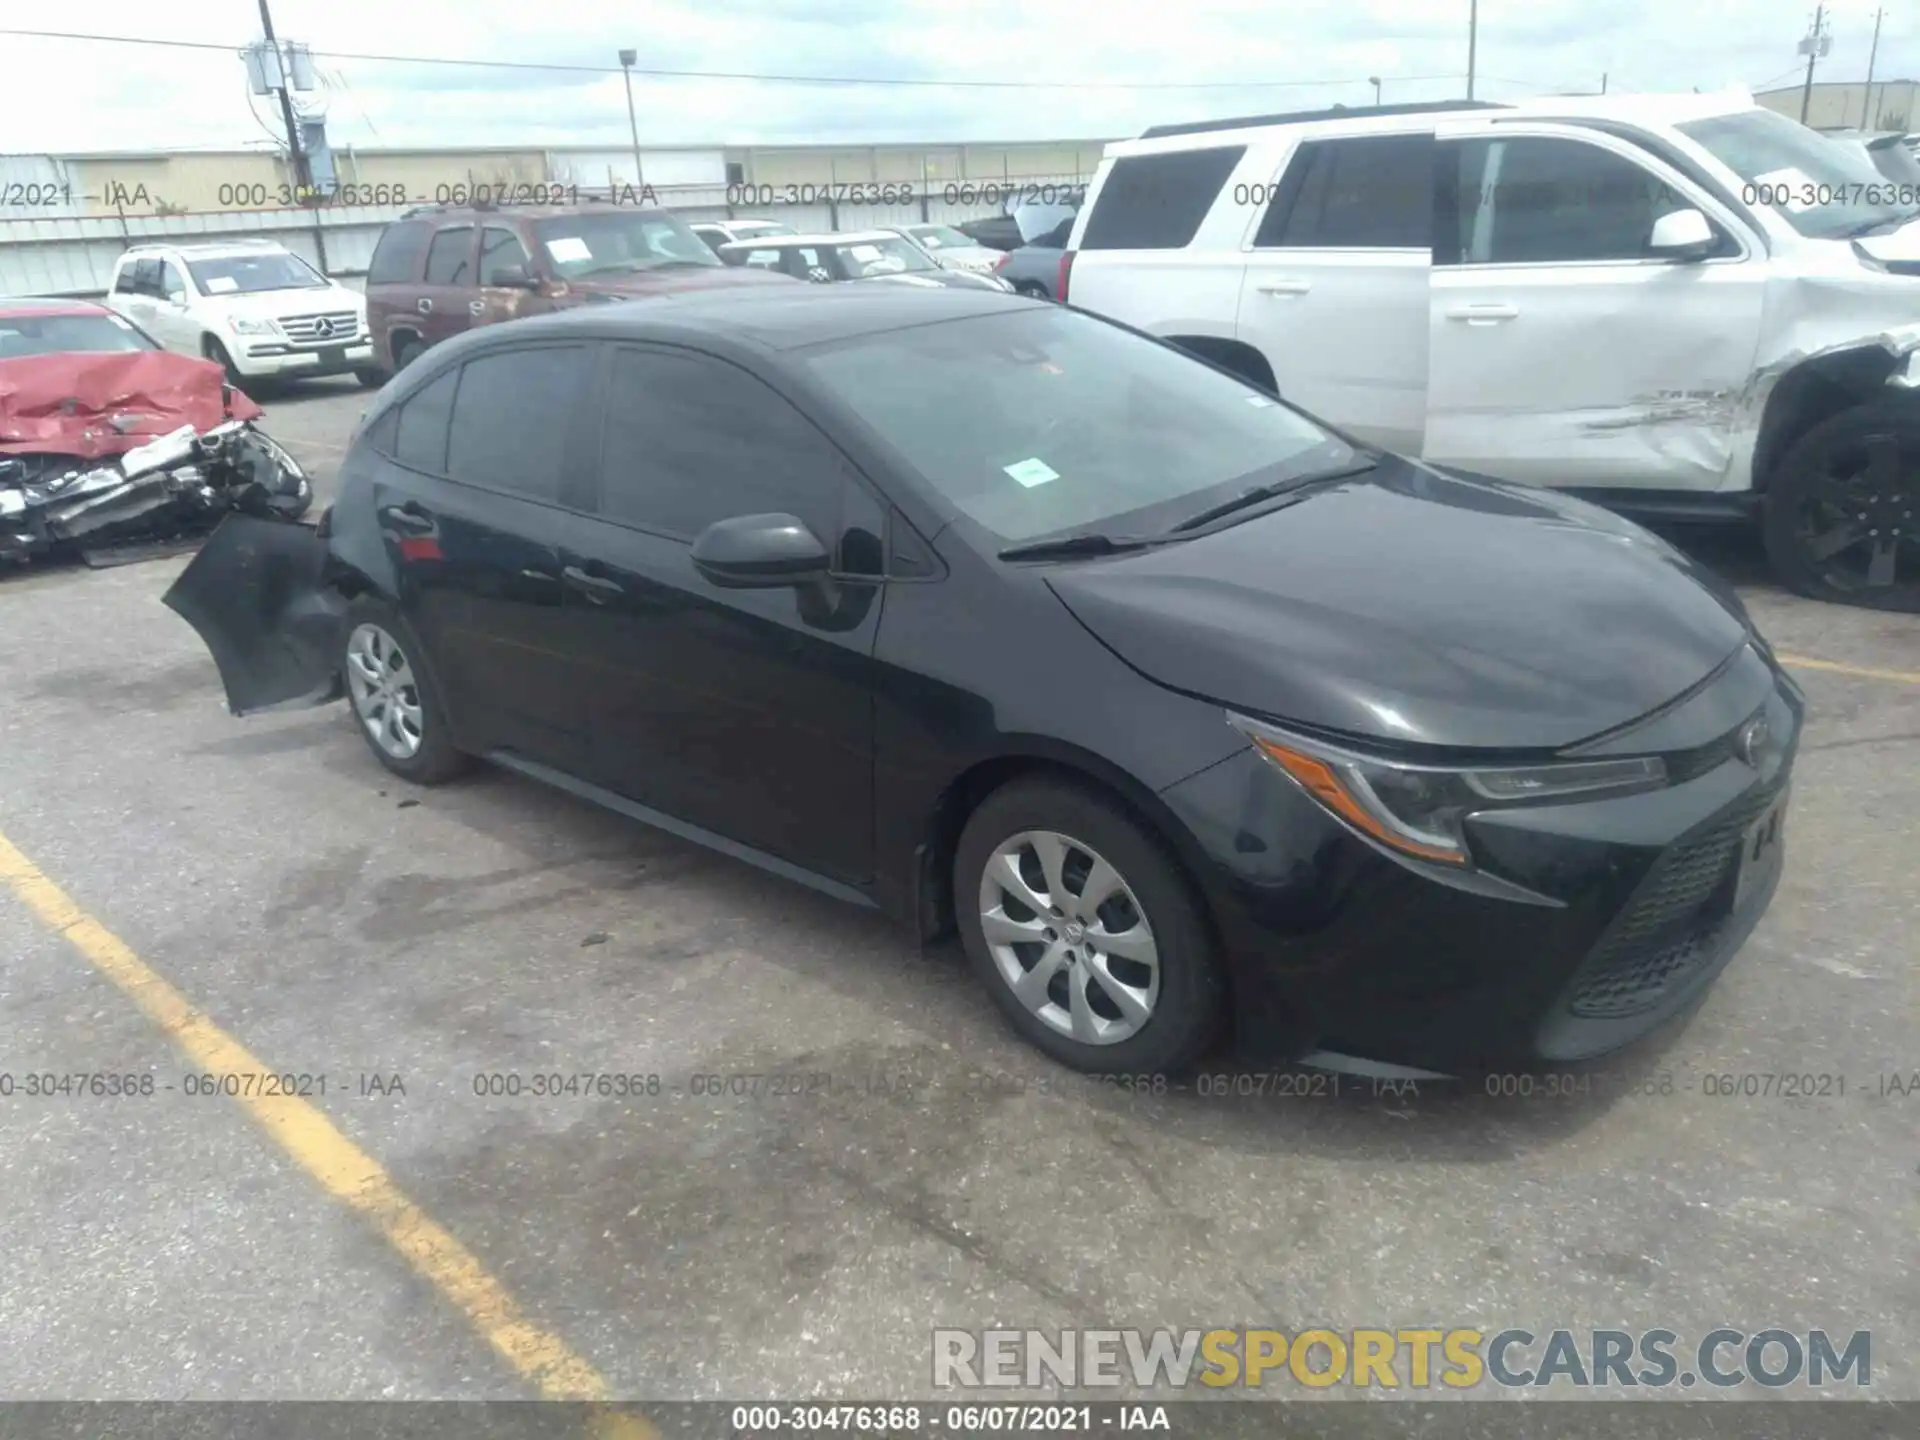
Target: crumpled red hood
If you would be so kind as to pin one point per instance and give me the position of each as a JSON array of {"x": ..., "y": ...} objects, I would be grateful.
[{"x": 93, "y": 405}]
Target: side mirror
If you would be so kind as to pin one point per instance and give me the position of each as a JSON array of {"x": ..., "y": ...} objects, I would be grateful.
[
  {"x": 1681, "y": 235},
  {"x": 511, "y": 277},
  {"x": 760, "y": 552}
]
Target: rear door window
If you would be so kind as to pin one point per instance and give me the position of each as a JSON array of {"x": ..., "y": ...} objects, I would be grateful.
[
  {"x": 420, "y": 438},
  {"x": 398, "y": 256},
  {"x": 512, "y": 408},
  {"x": 1369, "y": 192},
  {"x": 1156, "y": 202},
  {"x": 450, "y": 258}
]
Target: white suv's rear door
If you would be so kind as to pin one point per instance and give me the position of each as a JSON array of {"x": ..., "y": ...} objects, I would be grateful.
[
  {"x": 1338, "y": 242},
  {"x": 1561, "y": 352}
]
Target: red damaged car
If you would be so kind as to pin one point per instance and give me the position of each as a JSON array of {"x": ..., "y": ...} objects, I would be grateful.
[{"x": 106, "y": 440}]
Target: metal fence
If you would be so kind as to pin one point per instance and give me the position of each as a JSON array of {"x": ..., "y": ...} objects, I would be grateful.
[{"x": 75, "y": 255}]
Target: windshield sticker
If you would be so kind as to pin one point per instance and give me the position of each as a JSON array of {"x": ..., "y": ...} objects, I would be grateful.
[
  {"x": 221, "y": 284},
  {"x": 1792, "y": 189},
  {"x": 565, "y": 248},
  {"x": 1032, "y": 472},
  {"x": 864, "y": 253}
]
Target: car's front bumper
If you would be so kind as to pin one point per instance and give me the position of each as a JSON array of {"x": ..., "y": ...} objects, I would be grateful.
[
  {"x": 265, "y": 356},
  {"x": 1333, "y": 947}
]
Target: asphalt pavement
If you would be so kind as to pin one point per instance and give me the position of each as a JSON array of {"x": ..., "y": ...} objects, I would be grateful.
[{"x": 184, "y": 888}]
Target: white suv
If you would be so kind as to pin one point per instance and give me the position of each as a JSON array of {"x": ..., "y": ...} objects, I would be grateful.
[
  {"x": 255, "y": 307},
  {"x": 1684, "y": 306}
]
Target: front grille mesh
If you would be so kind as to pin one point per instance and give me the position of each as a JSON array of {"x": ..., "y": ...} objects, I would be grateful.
[
  {"x": 305, "y": 329},
  {"x": 1669, "y": 927}
]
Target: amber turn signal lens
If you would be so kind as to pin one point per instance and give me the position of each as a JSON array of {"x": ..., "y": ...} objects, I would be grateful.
[{"x": 1321, "y": 781}]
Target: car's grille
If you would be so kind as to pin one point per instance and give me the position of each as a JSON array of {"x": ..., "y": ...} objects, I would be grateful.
[
  {"x": 336, "y": 327},
  {"x": 1669, "y": 926}
]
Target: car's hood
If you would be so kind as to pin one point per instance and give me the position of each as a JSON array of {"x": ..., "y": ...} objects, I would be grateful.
[
  {"x": 1415, "y": 607},
  {"x": 679, "y": 279},
  {"x": 930, "y": 279},
  {"x": 278, "y": 304},
  {"x": 95, "y": 405}
]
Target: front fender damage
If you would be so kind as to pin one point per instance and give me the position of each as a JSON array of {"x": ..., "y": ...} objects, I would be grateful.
[{"x": 260, "y": 597}]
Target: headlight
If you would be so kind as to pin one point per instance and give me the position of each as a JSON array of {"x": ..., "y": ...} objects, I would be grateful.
[
  {"x": 1420, "y": 810},
  {"x": 240, "y": 325}
]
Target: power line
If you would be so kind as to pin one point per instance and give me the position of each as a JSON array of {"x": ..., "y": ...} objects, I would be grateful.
[{"x": 560, "y": 68}]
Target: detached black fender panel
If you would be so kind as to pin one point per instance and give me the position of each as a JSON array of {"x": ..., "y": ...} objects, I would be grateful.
[{"x": 257, "y": 594}]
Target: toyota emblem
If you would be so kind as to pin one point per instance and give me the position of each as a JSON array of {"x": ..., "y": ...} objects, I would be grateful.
[{"x": 1751, "y": 743}]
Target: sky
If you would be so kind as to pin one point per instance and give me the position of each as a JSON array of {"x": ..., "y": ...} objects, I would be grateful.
[{"x": 1091, "y": 70}]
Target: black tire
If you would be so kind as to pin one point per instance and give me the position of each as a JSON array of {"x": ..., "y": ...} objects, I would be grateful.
[
  {"x": 1187, "y": 1012},
  {"x": 435, "y": 760},
  {"x": 216, "y": 352},
  {"x": 371, "y": 378},
  {"x": 406, "y": 352},
  {"x": 1841, "y": 517}
]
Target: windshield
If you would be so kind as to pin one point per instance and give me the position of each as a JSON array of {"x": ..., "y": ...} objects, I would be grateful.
[
  {"x": 940, "y": 237},
  {"x": 613, "y": 243},
  {"x": 1825, "y": 188},
  {"x": 248, "y": 274},
  {"x": 1040, "y": 421},
  {"x": 67, "y": 334},
  {"x": 890, "y": 255}
]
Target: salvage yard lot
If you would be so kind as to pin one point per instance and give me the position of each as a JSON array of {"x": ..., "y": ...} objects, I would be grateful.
[{"x": 338, "y": 924}]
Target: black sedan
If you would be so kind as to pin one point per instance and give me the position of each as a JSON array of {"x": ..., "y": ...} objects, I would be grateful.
[{"x": 989, "y": 613}]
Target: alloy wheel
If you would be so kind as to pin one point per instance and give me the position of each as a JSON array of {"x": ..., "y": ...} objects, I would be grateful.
[
  {"x": 385, "y": 692},
  {"x": 1858, "y": 519},
  {"x": 1069, "y": 938}
]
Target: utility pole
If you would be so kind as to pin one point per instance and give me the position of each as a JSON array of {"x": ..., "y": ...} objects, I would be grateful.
[
  {"x": 1473, "y": 39},
  {"x": 302, "y": 179},
  {"x": 1603, "y": 82},
  {"x": 627, "y": 57},
  {"x": 1866, "y": 101},
  {"x": 1813, "y": 47}
]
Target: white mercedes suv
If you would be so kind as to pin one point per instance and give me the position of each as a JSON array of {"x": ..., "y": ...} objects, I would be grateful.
[
  {"x": 253, "y": 306},
  {"x": 1683, "y": 306}
]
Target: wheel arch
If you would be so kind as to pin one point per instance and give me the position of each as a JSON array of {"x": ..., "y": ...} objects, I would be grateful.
[
  {"x": 1817, "y": 389},
  {"x": 1237, "y": 356}
]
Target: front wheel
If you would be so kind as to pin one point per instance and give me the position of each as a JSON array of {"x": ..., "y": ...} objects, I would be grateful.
[
  {"x": 1842, "y": 515},
  {"x": 1083, "y": 930},
  {"x": 216, "y": 352},
  {"x": 394, "y": 701}
]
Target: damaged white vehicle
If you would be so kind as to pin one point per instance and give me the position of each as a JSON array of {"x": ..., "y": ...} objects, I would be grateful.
[{"x": 1683, "y": 306}]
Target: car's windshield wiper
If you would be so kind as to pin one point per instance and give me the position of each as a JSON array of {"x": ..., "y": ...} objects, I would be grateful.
[
  {"x": 1068, "y": 546},
  {"x": 1268, "y": 492}
]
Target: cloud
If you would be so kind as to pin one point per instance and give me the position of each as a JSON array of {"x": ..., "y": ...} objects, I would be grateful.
[{"x": 1256, "y": 56}]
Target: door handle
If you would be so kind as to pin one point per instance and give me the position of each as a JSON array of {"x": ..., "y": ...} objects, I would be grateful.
[
  {"x": 597, "y": 588},
  {"x": 1483, "y": 314},
  {"x": 1284, "y": 287},
  {"x": 476, "y": 307},
  {"x": 410, "y": 517},
  {"x": 423, "y": 305}
]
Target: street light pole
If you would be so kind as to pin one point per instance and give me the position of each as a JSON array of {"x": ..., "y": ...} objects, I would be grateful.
[
  {"x": 627, "y": 57},
  {"x": 1473, "y": 41},
  {"x": 1866, "y": 100},
  {"x": 1374, "y": 80}
]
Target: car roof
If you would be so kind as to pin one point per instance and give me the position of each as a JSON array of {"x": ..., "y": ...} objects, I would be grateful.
[
  {"x": 1645, "y": 109},
  {"x": 757, "y": 319},
  {"x": 205, "y": 249},
  {"x": 20, "y": 305}
]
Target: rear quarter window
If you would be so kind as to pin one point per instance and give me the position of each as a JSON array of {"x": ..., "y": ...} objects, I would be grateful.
[
  {"x": 1156, "y": 202},
  {"x": 396, "y": 259},
  {"x": 420, "y": 436}
]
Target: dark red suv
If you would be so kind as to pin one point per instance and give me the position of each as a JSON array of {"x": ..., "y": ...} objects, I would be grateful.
[{"x": 445, "y": 269}]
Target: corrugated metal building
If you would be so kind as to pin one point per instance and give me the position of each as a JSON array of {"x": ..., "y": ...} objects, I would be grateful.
[
  {"x": 64, "y": 219},
  {"x": 1885, "y": 105}
]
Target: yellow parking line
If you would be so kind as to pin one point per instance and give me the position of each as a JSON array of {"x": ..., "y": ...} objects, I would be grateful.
[
  {"x": 1905, "y": 677},
  {"x": 342, "y": 1168}
]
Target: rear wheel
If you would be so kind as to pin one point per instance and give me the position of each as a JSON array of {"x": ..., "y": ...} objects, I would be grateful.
[
  {"x": 1084, "y": 931},
  {"x": 1842, "y": 516},
  {"x": 371, "y": 378},
  {"x": 394, "y": 701}
]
